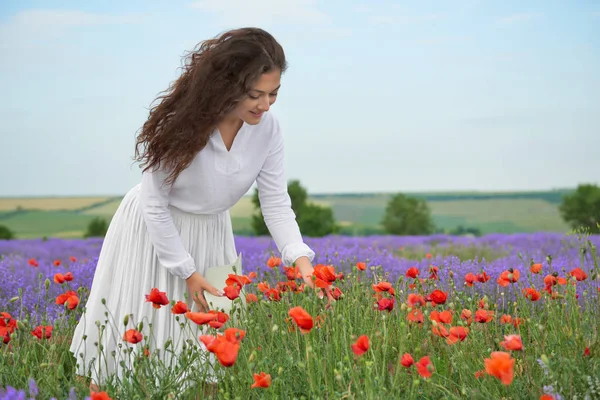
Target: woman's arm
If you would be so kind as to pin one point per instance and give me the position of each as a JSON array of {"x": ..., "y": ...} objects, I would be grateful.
[
  {"x": 154, "y": 204},
  {"x": 276, "y": 207}
]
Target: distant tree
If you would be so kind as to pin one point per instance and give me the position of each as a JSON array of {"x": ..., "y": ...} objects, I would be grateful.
[
  {"x": 313, "y": 220},
  {"x": 407, "y": 216},
  {"x": 581, "y": 208},
  {"x": 461, "y": 230},
  {"x": 6, "y": 233},
  {"x": 96, "y": 228},
  {"x": 317, "y": 221}
]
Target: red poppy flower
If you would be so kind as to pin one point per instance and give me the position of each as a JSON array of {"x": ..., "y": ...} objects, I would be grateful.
[
  {"x": 536, "y": 268},
  {"x": 302, "y": 318},
  {"x": 412, "y": 273},
  {"x": 240, "y": 280},
  {"x": 232, "y": 291},
  {"x": 457, "y": 333},
  {"x": 251, "y": 298},
  {"x": 407, "y": 360},
  {"x": 483, "y": 277},
  {"x": 325, "y": 275},
  {"x": 221, "y": 319},
  {"x": 438, "y": 297},
  {"x": 179, "y": 308},
  {"x": 261, "y": 380},
  {"x": 274, "y": 262},
  {"x": 62, "y": 298},
  {"x": 385, "y": 304},
  {"x": 484, "y": 316},
  {"x": 415, "y": 315},
  {"x": 157, "y": 298},
  {"x": 415, "y": 299},
  {"x": 501, "y": 366},
  {"x": 99, "y": 396},
  {"x": 509, "y": 276},
  {"x": 225, "y": 347},
  {"x": 532, "y": 294},
  {"x": 467, "y": 315},
  {"x": 382, "y": 287},
  {"x": 133, "y": 336},
  {"x": 361, "y": 345},
  {"x": 433, "y": 272},
  {"x": 579, "y": 274},
  {"x": 444, "y": 317},
  {"x": 425, "y": 367},
  {"x": 361, "y": 266},
  {"x": 200, "y": 318},
  {"x": 512, "y": 342},
  {"x": 59, "y": 278},
  {"x": 470, "y": 278},
  {"x": 42, "y": 331}
]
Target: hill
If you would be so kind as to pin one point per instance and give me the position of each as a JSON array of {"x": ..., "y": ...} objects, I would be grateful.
[{"x": 358, "y": 213}]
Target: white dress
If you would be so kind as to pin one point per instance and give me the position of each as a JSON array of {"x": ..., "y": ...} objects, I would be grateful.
[{"x": 160, "y": 235}]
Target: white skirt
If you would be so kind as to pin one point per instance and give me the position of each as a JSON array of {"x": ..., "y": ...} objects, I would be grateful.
[{"x": 127, "y": 270}]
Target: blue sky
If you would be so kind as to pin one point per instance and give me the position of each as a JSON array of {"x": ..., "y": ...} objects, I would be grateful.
[{"x": 380, "y": 96}]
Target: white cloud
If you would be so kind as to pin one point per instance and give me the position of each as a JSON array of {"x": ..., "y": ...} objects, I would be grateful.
[
  {"x": 516, "y": 18},
  {"x": 242, "y": 12}
]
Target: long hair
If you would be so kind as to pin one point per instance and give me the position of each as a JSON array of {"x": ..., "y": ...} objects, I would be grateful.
[{"x": 216, "y": 76}]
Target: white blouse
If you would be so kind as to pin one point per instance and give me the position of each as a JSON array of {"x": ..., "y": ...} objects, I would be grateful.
[{"x": 214, "y": 182}]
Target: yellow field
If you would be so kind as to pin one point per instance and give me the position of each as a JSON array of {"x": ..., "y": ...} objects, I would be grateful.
[
  {"x": 105, "y": 210},
  {"x": 48, "y": 203}
]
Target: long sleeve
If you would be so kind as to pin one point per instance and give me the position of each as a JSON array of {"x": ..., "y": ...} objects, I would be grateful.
[
  {"x": 154, "y": 203},
  {"x": 276, "y": 205}
]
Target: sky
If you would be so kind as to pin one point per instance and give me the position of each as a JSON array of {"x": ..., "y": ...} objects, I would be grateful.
[{"x": 380, "y": 96}]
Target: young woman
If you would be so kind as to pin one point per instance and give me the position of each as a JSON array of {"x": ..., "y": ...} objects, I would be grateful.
[{"x": 203, "y": 146}]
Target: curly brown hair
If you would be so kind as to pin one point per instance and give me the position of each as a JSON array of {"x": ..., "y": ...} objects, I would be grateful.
[{"x": 216, "y": 76}]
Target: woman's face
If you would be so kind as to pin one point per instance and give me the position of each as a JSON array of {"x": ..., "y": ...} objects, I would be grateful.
[{"x": 260, "y": 98}]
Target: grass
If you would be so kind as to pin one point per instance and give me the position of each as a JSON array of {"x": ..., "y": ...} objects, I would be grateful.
[
  {"x": 104, "y": 210},
  {"x": 527, "y": 214},
  {"x": 33, "y": 224},
  {"x": 356, "y": 347}
]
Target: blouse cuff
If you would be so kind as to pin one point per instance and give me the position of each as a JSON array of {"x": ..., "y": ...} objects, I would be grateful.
[
  {"x": 292, "y": 252},
  {"x": 183, "y": 269}
]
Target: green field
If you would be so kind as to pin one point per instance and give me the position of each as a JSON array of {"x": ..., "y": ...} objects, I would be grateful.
[{"x": 489, "y": 212}]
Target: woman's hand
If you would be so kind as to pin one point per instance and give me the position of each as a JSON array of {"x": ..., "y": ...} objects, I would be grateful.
[
  {"x": 197, "y": 284},
  {"x": 306, "y": 270}
]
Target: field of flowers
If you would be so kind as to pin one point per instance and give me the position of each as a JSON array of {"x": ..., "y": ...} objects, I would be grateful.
[{"x": 496, "y": 317}]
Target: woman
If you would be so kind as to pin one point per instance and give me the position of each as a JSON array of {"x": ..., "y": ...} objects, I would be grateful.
[{"x": 203, "y": 146}]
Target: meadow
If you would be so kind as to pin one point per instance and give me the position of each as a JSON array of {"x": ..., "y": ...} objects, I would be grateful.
[
  {"x": 357, "y": 214},
  {"x": 496, "y": 317}
]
